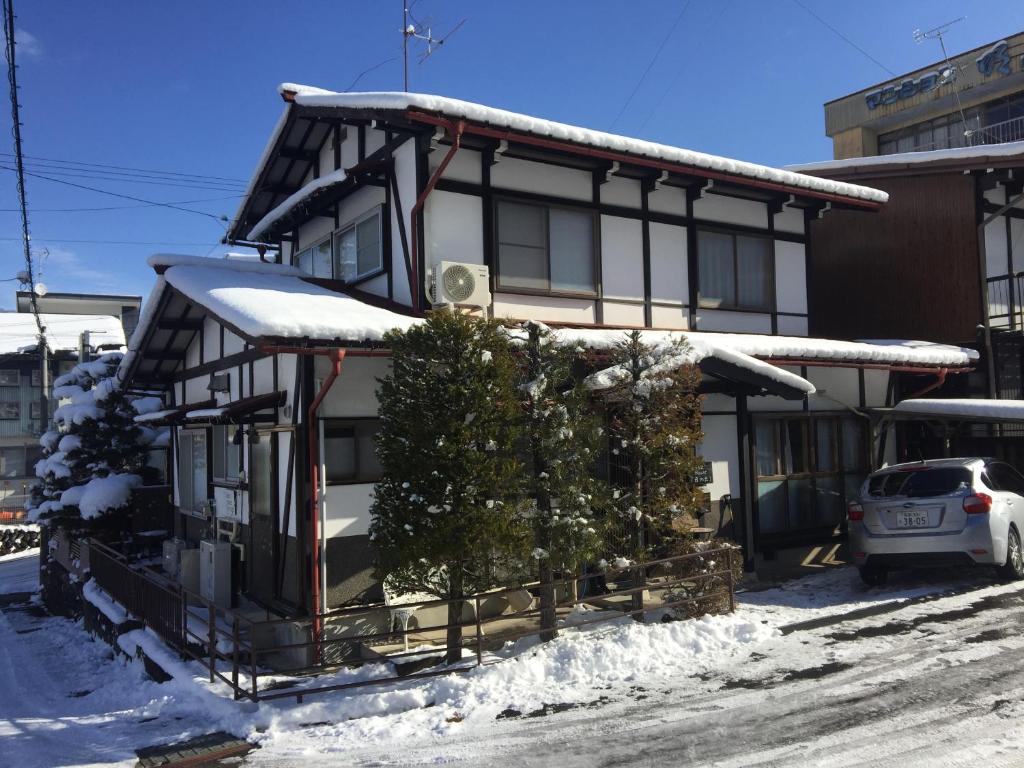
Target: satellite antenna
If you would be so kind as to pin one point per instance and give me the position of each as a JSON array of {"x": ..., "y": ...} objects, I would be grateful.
[
  {"x": 418, "y": 31},
  {"x": 950, "y": 71},
  {"x": 40, "y": 289}
]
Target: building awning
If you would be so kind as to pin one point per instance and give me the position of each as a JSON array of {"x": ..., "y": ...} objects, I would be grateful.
[
  {"x": 170, "y": 416},
  {"x": 246, "y": 409},
  {"x": 955, "y": 410}
]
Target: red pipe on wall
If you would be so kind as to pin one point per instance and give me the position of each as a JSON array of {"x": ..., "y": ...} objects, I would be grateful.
[
  {"x": 455, "y": 133},
  {"x": 661, "y": 165}
]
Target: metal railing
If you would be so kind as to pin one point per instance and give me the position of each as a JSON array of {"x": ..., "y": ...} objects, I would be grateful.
[
  {"x": 1006, "y": 300},
  {"x": 285, "y": 653}
]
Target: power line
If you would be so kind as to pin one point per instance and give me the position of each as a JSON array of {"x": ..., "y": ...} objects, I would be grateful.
[
  {"x": 12, "y": 80},
  {"x": 108, "y": 242},
  {"x": 650, "y": 64},
  {"x": 127, "y": 168},
  {"x": 123, "y": 207},
  {"x": 844, "y": 37},
  {"x": 110, "y": 176},
  {"x": 118, "y": 194}
]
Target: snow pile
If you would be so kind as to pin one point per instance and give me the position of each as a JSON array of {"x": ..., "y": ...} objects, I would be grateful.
[
  {"x": 499, "y": 118},
  {"x": 144, "y": 405},
  {"x": 101, "y": 494},
  {"x": 19, "y": 333},
  {"x": 965, "y": 408}
]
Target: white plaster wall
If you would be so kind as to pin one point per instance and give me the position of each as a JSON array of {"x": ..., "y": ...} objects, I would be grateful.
[
  {"x": 195, "y": 389},
  {"x": 314, "y": 231},
  {"x": 523, "y": 175},
  {"x": 995, "y": 247},
  {"x": 833, "y": 384},
  {"x": 1017, "y": 244},
  {"x": 232, "y": 343},
  {"x": 996, "y": 195},
  {"x": 669, "y": 278},
  {"x": 454, "y": 228},
  {"x": 263, "y": 376},
  {"x": 790, "y": 277},
  {"x": 375, "y": 139},
  {"x": 720, "y": 448},
  {"x": 718, "y": 402},
  {"x": 622, "y": 258},
  {"x": 465, "y": 165},
  {"x": 667, "y": 200},
  {"x": 350, "y": 147},
  {"x": 211, "y": 340},
  {"x": 356, "y": 204},
  {"x": 790, "y": 220},
  {"x": 192, "y": 354},
  {"x": 508, "y": 305},
  {"x": 285, "y": 439},
  {"x": 735, "y": 322},
  {"x": 347, "y": 509},
  {"x": 620, "y": 191},
  {"x": 792, "y": 326},
  {"x": 876, "y": 385},
  {"x": 732, "y": 210},
  {"x": 354, "y": 391},
  {"x": 670, "y": 317},
  {"x": 405, "y": 169},
  {"x": 616, "y": 313},
  {"x": 378, "y": 286}
]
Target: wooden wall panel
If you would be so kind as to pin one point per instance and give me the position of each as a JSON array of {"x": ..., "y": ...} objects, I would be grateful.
[{"x": 908, "y": 271}]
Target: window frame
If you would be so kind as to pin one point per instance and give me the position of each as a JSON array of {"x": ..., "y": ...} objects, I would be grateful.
[
  {"x": 350, "y": 422},
  {"x": 191, "y": 507},
  {"x": 215, "y": 446},
  {"x": 353, "y": 224},
  {"x": 547, "y": 207},
  {"x": 735, "y": 306},
  {"x": 6, "y": 374}
]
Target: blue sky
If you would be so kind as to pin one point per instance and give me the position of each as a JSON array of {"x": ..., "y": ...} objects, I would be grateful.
[{"x": 189, "y": 87}]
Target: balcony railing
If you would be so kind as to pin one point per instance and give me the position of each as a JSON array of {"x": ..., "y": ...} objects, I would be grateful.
[
  {"x": 994, "y": 133},
  {"x": 1005, "y": 301}
]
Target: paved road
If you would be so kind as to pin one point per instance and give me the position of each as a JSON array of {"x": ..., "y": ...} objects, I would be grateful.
[{"x": 937, "y": 683}]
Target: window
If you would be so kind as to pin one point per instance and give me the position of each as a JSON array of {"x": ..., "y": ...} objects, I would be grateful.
[
  {"x": 1006, "y": 478},
  {"x": 192, "y": 486},
  {"x": 808, "y": 468},
  {"x": 545, "y": 249},
  {"x": 316, "y": 261},
  {"x": 12, "y": 462},
  {"x": 10, "y": 411},
  {"x": 226, "y": 454},
  {"x": 10, "y": 378},
  {"x": 735, "y": 271},
  {"x": 357, "y": 248},
  {"x": 350, "y": 450}
]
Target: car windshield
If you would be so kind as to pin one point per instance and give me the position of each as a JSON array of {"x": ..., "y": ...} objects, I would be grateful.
[{"x": 918, "y": 483}]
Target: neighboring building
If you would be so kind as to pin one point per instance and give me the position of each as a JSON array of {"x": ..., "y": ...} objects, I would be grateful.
[
  {"x": 21, "y": 400},
  {"x": 979, "y": 101},
  {"x": 124, "y": 308},
  {"x": 362, "y": 196}
]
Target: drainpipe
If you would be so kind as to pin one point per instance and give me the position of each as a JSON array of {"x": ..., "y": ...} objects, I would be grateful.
[
  {"x": 940, "y": 379},
  {"x": 455, "y": 131},
  {"x": 336, "y": 355}
]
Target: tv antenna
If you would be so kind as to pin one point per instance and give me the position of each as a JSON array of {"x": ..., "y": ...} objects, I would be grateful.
[
  {"x": 949, "y": 74},
  {"x": 413, "y": 29}
]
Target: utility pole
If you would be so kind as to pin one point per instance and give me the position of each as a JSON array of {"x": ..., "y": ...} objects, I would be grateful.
[{"x": 12, "y": 79}]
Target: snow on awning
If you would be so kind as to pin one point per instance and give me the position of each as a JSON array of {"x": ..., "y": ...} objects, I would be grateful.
[
  {"x": 959, "y": 409},
  {"x": 303, "y": 194},
  {"x": 499, "y": 118},
  {"x": 170, "y": 416},
  {"x": 236, "y": 411},
  {"x": 19, "y": 332}
]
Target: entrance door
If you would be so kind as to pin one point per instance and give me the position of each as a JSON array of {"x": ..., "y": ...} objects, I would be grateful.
[{"x": 262, "y": 517}]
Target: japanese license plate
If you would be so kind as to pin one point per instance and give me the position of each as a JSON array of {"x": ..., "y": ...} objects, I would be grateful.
[{"x": 911, "y": 518}]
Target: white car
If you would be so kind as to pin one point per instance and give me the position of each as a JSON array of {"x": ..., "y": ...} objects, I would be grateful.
[{"x": 938, "y": 513}]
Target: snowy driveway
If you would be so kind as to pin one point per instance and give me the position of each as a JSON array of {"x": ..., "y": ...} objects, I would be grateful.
[
  {"x": 935, "y": 680},
  {"x": 924, "y": 672}
]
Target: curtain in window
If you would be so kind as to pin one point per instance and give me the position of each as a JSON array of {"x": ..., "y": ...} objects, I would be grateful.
[
  {"x": 825, "y": 445},
  {"x": 754, "y": 280},
  {"x": 522, "y": 245},
  {"x": 717, "y": 274},
  {"x": 767, "y": 438},
  {"x": 572, "y": 250}
]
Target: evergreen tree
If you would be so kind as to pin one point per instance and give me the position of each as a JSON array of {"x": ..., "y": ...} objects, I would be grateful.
[
  {"x": 444, "y": 517},
  {"x": 560, "y": 438},
  {"x": 653, "y": 412},
  {"x": 96, "y": 453}
]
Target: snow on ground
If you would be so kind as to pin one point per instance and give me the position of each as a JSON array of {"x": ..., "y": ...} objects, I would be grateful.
[
  {"x": 20, "y": 572},
  {"x": 732, "y": 690}
]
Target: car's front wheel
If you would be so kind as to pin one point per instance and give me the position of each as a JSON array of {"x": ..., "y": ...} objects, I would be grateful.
[
  {"x": 873, "y": 576},
  {"x": 1013, "y": 569}
]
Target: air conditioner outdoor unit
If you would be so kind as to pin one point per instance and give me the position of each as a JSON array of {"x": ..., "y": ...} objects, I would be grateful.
[
  {"x": 460, "y": 284},
  {"x": 172, "y": 557}
]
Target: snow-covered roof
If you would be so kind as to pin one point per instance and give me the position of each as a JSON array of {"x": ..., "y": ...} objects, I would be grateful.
[
  {"x": 19, "y": 333},
  {"x": 978, "y": 154},
  {"x": 1011, "y": 410},
  {"x": 327, "y": 180},
  {"x": 309, "y": 96}
]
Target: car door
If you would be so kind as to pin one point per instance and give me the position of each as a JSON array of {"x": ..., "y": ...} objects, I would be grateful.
[{"x": 1011, "y": 488}]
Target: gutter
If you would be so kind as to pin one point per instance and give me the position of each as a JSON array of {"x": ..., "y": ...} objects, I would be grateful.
[
  {"x": 455, "y": 131},
  {"x": 337, "y": 356},
  {"x": 621, "y": 157}
]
